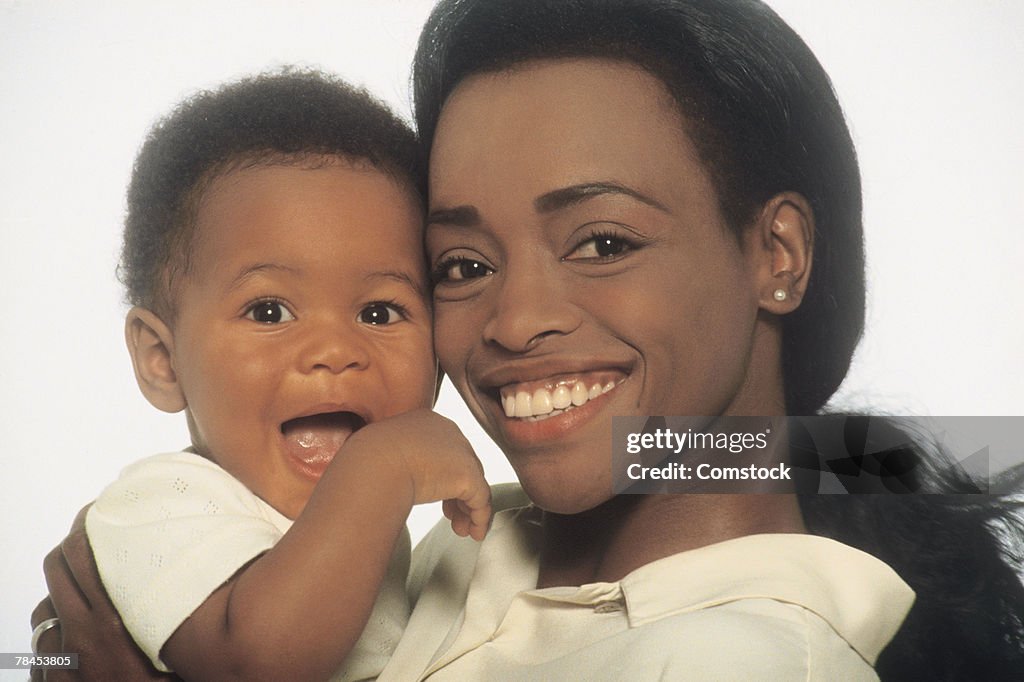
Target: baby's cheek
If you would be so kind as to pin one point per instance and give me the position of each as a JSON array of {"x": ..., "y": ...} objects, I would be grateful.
[{"x": 411, "y": 378}]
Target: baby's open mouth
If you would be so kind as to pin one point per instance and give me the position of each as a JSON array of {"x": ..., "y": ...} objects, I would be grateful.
[{"x": 314, "y": 439}]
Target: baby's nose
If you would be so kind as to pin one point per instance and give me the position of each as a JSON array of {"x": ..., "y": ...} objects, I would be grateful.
[{"x": 334, "y": 348}]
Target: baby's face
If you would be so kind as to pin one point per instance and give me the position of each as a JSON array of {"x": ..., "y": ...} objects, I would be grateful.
[{"x": 303, "y": 317}]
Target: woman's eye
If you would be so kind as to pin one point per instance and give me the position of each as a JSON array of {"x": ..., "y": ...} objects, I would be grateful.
[
  {"x": 600, "y": 247},
  {"x": 381, "y": 313},
  {"x": 460, "y": 269},
  {"x": 269, "y": 312}
]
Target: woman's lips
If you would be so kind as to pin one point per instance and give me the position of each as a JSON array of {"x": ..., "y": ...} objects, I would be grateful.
[
  {"x": 313, "y": 440},
  {"x": 539, "y": 411}
]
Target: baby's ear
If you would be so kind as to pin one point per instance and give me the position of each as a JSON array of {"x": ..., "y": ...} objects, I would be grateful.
[{"x": 150, "y": 343}]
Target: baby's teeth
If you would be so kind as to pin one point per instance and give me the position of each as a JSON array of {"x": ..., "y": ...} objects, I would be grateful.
[
  {"x": 595, "y": 391},
  {"x": 523, "y": 406},
  {"x": 542, "y": 402},
  {"x": 579, "y": 394},
  {"x": 562, "y": 397},
  {"x": 607, "y": 387}
]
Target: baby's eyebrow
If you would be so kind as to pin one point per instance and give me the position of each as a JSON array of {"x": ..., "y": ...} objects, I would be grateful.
[
  {"x": 400, "y": 277},
  {"x": 248, "y": 271}
]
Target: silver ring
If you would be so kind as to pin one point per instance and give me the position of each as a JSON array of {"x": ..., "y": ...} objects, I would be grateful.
[{"x": 42, "y": 629}]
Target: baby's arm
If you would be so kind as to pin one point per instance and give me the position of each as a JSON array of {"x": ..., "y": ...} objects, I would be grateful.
[{"x": 297, "y": 610}]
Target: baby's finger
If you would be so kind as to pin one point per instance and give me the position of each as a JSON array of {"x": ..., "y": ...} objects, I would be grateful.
[
  {"x": 449, "y": 509},
  {"x": 460, "y": 526},
  {"x": 460, "y": 519},
  {"x": 477, "y": 497},
  {"x": 476, "y": 521},
  {"x": 480, "y": 522},
  {"x": 481, "y": 516}
]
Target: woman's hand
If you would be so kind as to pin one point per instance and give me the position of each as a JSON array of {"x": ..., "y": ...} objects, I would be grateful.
[{"x": 88, "y": 624}]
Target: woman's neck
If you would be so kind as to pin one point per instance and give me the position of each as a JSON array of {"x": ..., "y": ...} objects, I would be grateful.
[{"x": 606, "y": 543}]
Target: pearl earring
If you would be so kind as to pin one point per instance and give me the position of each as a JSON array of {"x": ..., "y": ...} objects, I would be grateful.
[{"x": 780, "y": 295}]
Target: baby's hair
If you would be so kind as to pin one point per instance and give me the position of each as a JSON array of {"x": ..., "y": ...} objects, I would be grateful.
[{"x": 294, "y": 117}]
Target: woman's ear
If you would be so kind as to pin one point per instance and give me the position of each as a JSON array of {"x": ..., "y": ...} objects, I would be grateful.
[
  {"x": 150, "y": 343},
  {"x": 785, "y": 234}
]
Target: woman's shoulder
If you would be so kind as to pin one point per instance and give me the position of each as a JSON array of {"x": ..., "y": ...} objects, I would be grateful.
[
  {"x": 749, "y": 638},
  {"x": 760, "y": 587}
]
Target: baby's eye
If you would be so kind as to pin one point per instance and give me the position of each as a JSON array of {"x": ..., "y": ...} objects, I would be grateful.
[
  {"x": 269, "y": 312},
  {"x": 381, "y": 313},
  {"x": 460, "y": 269},
  {"x": 600, "y": 247}
]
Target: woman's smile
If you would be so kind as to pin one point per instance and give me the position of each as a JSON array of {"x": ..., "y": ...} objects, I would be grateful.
[
  {"x": 532, "y": 402},
  {"x": 539, "y": 400}
]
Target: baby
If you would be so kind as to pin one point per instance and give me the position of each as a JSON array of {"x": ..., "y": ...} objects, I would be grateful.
[{"x": 273, "y": 256}]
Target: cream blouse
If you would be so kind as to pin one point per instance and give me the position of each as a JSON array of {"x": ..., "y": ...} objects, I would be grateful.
[{"x": 767, "y": 607}]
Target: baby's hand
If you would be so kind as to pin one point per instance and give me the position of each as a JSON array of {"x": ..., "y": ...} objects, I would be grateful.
[{"x": 440, "y": 463}]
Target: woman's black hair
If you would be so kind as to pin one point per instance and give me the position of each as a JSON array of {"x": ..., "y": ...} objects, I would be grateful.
[
  {"x": 765, "y": 119},
  {"x": 291, "y": 116}
]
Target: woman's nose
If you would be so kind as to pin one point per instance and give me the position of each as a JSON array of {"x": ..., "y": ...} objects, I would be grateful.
[{"x": 530, "y": 305}]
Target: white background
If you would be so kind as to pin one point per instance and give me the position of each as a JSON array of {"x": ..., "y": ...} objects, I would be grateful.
[{"x": 933, "y": 90}]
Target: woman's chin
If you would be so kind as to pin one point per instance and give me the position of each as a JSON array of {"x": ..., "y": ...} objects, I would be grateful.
[{"x": 565, "y": 496}]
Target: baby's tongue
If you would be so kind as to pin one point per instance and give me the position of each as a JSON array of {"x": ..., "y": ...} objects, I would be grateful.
[{"x": 314, "y": 440}]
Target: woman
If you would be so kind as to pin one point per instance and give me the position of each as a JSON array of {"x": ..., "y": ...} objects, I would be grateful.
[{"x": 662, "y": 199}]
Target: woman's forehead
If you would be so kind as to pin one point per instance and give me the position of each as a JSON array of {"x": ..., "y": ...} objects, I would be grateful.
[
  {"x": 595, "y": 93},
  {"x": 556, "y": 123}
]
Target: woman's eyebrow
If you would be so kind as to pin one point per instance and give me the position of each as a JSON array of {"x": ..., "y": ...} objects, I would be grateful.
[
  {"x": 468, "y": 216},
  {"x": 458, "y": 216},
  {"x": 575, "y": 194}
]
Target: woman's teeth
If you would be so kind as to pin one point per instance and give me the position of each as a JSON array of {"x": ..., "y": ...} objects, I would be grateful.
[{"x": 544, "y": 402}]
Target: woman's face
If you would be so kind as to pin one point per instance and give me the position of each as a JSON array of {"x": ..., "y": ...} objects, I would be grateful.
[{"x": 584, "y": 270}]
